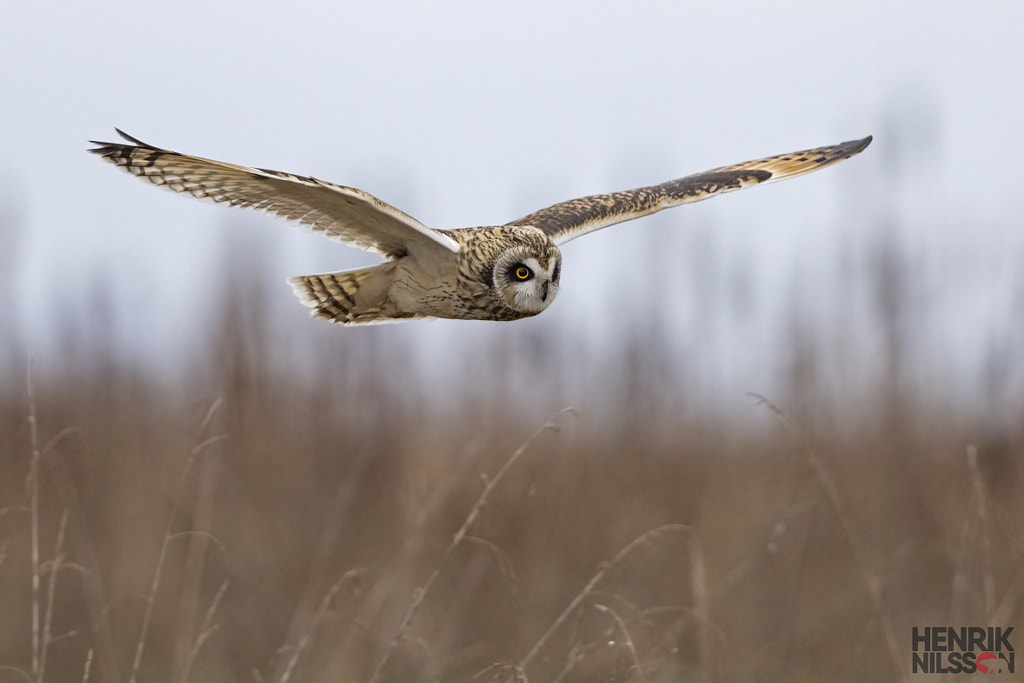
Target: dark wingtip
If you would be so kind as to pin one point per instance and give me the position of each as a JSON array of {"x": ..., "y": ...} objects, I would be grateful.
[
  {"x": 845, "y": 150},
  {"x": 106, "y": 148},
  {"x": 129, "y": 138},
  {"x": 103, "y": 148}
]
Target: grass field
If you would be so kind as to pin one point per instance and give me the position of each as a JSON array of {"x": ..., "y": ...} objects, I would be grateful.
[{"x": 239, "y": 524}]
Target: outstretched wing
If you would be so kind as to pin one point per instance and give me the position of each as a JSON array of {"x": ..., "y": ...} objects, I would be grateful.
[
  {"x": 571, "y": 219},
  {"x": 344, "y": 214}
]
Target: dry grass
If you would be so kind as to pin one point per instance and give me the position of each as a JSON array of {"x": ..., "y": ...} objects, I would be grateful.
[
  {"x": 273, "y": 529},
  {"x": 283, "y": 554}
]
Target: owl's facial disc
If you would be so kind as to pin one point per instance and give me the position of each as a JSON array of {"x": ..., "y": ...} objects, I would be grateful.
[{"x": 528, "y": 283}]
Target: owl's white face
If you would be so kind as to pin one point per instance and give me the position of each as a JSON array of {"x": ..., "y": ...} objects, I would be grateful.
[{"x": 528, "y": 281}]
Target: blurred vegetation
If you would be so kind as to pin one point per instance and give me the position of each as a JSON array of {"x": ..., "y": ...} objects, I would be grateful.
[{"x": 246, "y": 520}]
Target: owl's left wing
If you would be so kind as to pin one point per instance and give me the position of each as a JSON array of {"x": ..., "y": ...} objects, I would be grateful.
[
  {"x": 345, "y": 214},
  {"x": 576, "y": 217}
]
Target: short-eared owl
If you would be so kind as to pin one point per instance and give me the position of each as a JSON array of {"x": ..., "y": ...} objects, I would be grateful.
[{"x": 502, "y": 272}]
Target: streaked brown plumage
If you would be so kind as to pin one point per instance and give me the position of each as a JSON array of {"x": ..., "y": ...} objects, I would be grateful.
[{"x": 489, "y": 273}]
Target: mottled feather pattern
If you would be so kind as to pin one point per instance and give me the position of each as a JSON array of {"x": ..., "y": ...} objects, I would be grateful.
[
  {"x": 346, "y": 214},
  {"x": 480, "y": 247},
  {"x": 479, "y": 250},
  {"x": 502, "y": 272},
  {"x": 577, "y": 217},
  {"x": 794, "y": 164},
  {"x": 332, "y": 296}
]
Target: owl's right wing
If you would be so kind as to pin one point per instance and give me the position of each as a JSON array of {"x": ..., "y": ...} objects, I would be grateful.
[
  {"x": 344, "y": 214},
  {"x": 574, "y": 218}
]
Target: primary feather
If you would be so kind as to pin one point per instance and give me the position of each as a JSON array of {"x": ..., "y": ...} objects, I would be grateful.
[
  {"x": 577, "y": 217},
  {"x": 345, "y": 214}
]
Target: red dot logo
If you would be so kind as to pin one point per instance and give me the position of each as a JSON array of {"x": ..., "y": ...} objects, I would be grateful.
[{"x": 985, "y": 656}]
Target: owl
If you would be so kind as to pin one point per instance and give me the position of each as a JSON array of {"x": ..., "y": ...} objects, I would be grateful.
[{"x": 502, "y": 272}]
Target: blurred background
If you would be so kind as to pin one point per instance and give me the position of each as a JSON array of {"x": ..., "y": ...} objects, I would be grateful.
[{"x": 207, "y": 485}]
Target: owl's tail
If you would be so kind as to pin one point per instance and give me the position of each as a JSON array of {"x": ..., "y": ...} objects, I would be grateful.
[{"x": 352, "y": 297}]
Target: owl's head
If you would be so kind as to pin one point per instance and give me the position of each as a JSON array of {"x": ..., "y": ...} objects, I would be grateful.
[{"x": 526, "y": 277}]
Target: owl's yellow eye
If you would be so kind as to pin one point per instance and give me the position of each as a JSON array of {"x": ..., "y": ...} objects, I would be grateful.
[{"x": 523, "y": 273}]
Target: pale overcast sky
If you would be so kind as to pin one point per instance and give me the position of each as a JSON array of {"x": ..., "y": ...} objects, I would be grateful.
[{"x": 470, "y": 113}]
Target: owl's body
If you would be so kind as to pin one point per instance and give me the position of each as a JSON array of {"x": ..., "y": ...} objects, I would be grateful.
[
  {"x": 440, "y": 284},
  {"x": 501, "y": 272}
]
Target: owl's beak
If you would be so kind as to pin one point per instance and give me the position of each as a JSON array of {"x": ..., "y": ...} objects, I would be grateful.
[{"x": 544, "y": 292}]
